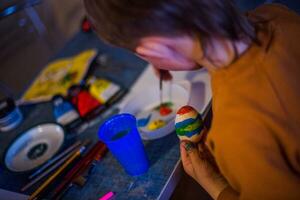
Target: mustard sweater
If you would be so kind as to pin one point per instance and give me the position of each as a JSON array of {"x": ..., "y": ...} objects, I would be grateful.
[{"x": 255, "y": 133}]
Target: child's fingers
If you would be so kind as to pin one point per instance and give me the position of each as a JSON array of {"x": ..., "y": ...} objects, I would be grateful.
[
  {"x": 184, "y": 155},
  {"x": 147, "y": 52},
  {"x": 193, "y": 154},
  {"x": 166, "y": 76}
]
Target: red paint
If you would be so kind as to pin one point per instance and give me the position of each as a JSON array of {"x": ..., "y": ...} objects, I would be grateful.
[
  {"x": 164, "y": 110},
  {"x": 185, "y": 109},
  {"x": 85, "y": 103}
]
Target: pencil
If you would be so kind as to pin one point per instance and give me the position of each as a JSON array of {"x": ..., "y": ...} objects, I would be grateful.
[{"x": 57, "y": 173}]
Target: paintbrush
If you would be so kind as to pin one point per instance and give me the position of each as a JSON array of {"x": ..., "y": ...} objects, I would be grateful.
[
  {"x": 56, "y": 158},
  {"x": 95, "y": 153},
  {"x": 52, "y": 168},
  {"x": 57, "y": 173},
  {"x": 161, "y": 76}
]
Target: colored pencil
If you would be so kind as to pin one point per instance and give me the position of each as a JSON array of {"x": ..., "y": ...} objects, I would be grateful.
[
  {"x": 107, "y": 196},
  {"x": 50, "y": 162},
  {"x": 57, "y": 173}
]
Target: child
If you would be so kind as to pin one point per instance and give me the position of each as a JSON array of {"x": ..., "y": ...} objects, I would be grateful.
[{"x": 254, "y": 63}]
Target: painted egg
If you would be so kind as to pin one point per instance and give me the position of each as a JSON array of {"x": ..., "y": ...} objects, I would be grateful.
[
  {"x": 188, "y": 124},
  {"x": 156, "y": 124}
]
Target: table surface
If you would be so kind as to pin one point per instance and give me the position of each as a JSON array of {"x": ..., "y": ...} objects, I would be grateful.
[
  {"x": 162, "y": 176},
  {"x": 126, "y": 70}
]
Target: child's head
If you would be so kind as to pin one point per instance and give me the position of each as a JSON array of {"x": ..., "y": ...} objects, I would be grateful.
[{"x": 144, "y": 23}]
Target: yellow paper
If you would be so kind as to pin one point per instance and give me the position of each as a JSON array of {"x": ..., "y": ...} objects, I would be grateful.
[{"x": 58, "y": 76}]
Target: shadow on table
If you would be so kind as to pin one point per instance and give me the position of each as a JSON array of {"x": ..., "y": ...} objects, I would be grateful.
[
  {"x": 189, "y": 189},
  {"x": 159, "y": 148}
]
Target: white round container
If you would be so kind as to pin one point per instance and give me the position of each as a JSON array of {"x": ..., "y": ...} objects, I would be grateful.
[{"x": 149, "y": 98}]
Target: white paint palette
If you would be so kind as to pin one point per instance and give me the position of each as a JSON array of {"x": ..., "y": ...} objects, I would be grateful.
[
  {"x": 150, "y": 119},
  {"x": 141, "y": 106}
]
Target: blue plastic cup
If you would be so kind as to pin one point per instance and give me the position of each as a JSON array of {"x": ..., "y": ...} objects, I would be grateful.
[{"x": 121, "y": 136}]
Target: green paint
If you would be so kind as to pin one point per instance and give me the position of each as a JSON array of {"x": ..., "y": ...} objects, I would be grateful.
[
  {"x": 120, "y": 135},
  {"x": 191, "y": 127}
]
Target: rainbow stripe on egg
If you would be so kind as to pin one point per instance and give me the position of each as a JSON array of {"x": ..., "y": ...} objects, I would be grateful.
[{"x": 188, "y": 124}]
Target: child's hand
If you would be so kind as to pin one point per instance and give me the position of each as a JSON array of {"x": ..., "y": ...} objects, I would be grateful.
[
  {"x": 199, "y": 164},
  {"x": 166, "y": 75}
]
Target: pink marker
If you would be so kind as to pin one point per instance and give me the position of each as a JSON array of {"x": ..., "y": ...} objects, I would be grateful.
[{"x": 107, "y": 196}]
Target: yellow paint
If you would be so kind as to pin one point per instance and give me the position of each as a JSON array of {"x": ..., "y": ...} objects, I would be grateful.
[
  {"x": 102, "y": 89},
  {"x": 156, "y": 124}
]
